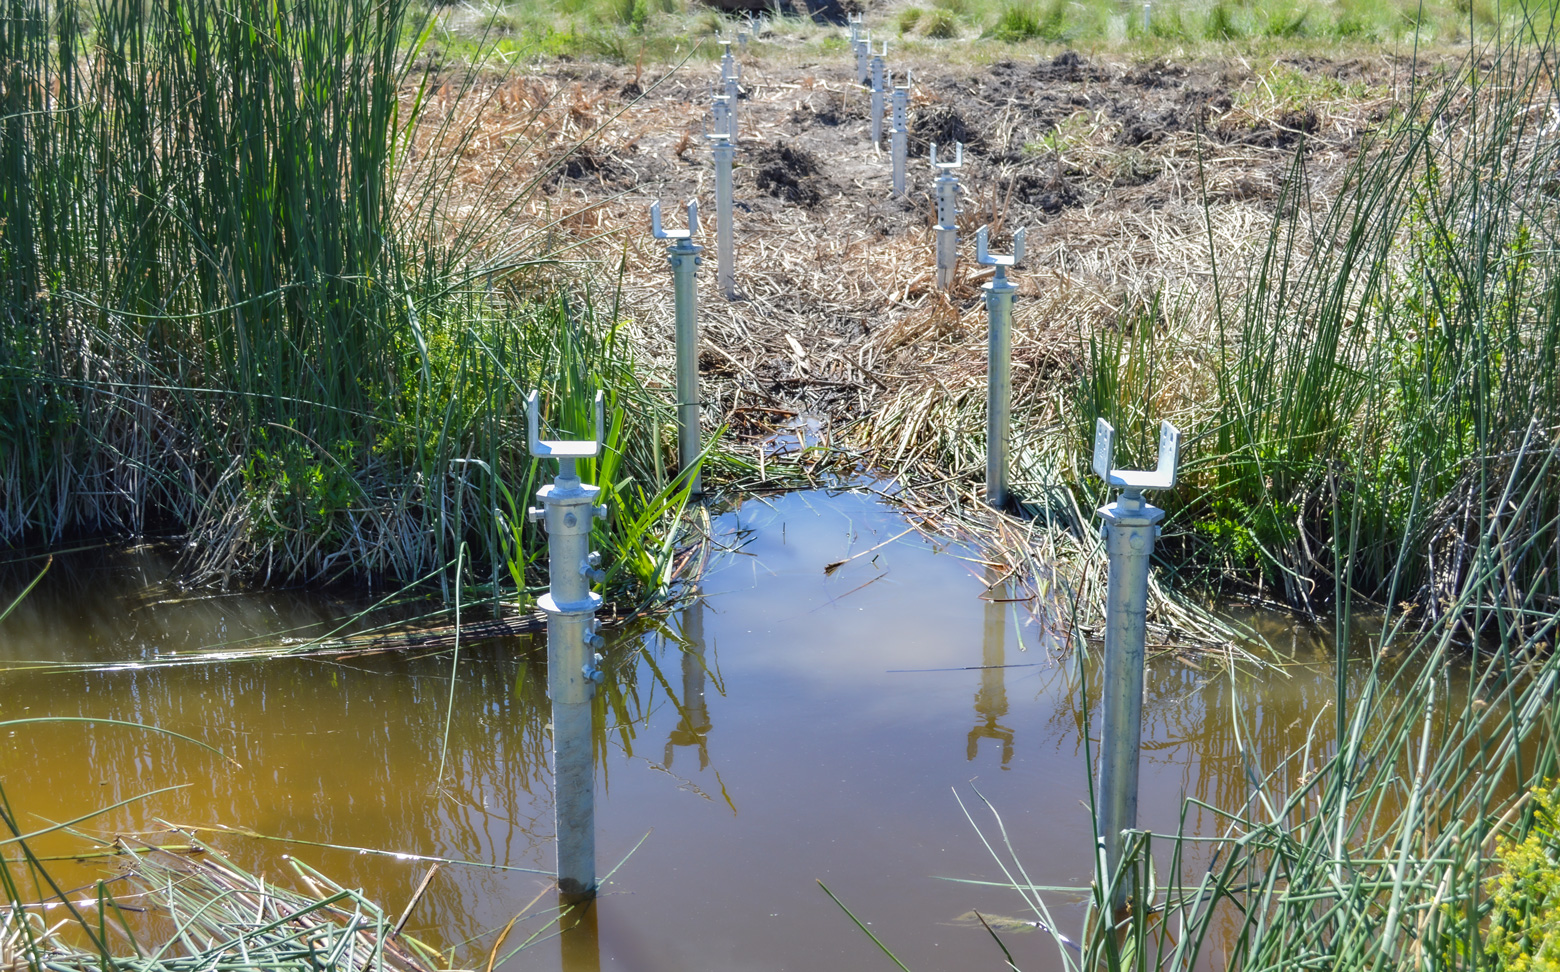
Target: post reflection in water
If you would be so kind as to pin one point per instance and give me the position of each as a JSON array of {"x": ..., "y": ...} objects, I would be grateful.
[
  {"x": 579, "y": 944},
  {"x": 991, "y": 698},
  {"x": 693, "y": 728},
  {"x": 346, "y": 750}
]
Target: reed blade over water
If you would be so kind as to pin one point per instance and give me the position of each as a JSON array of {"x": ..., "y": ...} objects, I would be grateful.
[{"x": 1381, "y": 423}]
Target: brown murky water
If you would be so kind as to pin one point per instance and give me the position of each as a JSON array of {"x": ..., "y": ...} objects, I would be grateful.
[{"x": 792, "y": 727}]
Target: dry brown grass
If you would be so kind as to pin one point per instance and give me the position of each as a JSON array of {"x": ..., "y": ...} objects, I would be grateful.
[{"x": 838, "y": 318}]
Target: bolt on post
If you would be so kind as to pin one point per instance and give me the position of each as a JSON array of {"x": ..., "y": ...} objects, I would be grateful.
[
  {"x": 947, "y": 190},
  {"x": 573, "y": 660},
  {"x": 900, "y": 133},
  {"x": 878, "y": 90},
  {"x": 1130, "y": 529},
  {"x": 999, "y": 363},
  {"x": 683, "y": 254},
  {"x": 724, "y": 153}
]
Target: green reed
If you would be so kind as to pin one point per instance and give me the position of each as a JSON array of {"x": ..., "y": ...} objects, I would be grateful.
[
  {"x": 236, "y": 301},
  {"x": 1374, "y": 845},
  {"x": 1386, "y": 360},
  {"x": 1381, "y": 422}
]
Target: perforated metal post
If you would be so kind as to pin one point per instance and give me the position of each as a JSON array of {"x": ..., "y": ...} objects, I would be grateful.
[
  {"x": 573, "y": 662},
  {"x": 1130, "y": 528},
  {"x": 720, "y": 111},
  {"x": 947, "y": 188},
  {"x": 863, "y": 48},
  {"x": 900, "y": 133},
  {"x": 724, "y": 154},
  {"x": 683, "y": 254},
  {"x": 1148, "y": 18},
  {"x": 879, "y": 88},
  {"x": 730, "y": 76},
  {"x": 999, "y": 363}
]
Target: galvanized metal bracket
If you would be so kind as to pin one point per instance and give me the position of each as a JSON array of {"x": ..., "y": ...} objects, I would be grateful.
[
  {"x": 563, "y": 449},
  {"x": 948, "y": 167},
  {"x": 1163, "y": 475},
  {"x": 661, "y": 233},
  {"x": 988, "y": 259}
]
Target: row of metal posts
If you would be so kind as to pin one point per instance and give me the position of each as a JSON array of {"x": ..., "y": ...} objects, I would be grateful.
[{"x": 569, "y": 508}]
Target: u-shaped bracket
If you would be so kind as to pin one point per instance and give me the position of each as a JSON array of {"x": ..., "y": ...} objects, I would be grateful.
[
  {"x": 660, "y": 233},
  {"x": 1163, "y": 475},
  {"x": 988, "y": 259},
  {"x": 958, "y": 158},
  {"x": 564, "y": 448}
]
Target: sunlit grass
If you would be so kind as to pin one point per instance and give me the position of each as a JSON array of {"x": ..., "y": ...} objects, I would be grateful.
[{"x": 235, "y": 303}]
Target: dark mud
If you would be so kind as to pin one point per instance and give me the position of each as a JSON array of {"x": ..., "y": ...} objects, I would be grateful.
[{"x": 790, "y": 174}]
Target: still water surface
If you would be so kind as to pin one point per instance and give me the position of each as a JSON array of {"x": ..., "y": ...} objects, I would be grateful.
[{"x": 790, "y": 727}]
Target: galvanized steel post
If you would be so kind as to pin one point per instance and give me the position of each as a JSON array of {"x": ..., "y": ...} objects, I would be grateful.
[
  {"x": 573, "y": 663},
  {"x": 900, "y": 133},
  {"x": 1130, "y": 529},
  {"x": 878, "y": 82},
  {"x": 999, "y": 363},
  {"x": 724, "y": 153},
  {"x": 684, "y": 257},
  {"x": 730, "y": 74},
  {"x": 720, "y": 112},
  {"x": 863, "y": 48},
  {"x": 947, "y": 188}
]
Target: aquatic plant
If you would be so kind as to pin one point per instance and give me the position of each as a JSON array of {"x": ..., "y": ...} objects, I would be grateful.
[
  {"x": 236, "y": 302},
  {"x": 1380, "y": 393},
  {"x": 219, "y": 915},
  {"x": 1525, "y": 900}
]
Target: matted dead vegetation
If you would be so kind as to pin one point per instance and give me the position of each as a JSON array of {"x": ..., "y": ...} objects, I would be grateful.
[{"x": 1128, "y": 178}]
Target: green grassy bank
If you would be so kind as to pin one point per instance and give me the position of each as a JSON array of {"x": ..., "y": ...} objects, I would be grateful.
[
  {"x": 651, "y": 31},
  {"x": 1374, "y": 406},
  {"x": 235, "y": 302},
  {"x": 1374, "y": 415}
]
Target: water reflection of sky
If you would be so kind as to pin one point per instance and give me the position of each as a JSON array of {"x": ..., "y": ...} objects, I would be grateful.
[{"x": 767, "y": 738}]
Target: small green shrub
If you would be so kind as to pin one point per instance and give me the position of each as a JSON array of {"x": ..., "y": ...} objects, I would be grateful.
[
  {"x": 639, "y": 14},
  {"x": 940, "y": 24},
  {"x": 908, "y": 19},
  {"x": 1220, "y": 24},
  {"x": 1524, "y": 933},
  {"x": 1286, "y": 21},
  {"x": 1165, "y": 22},
  {"x": 1026, "y": 22}
]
